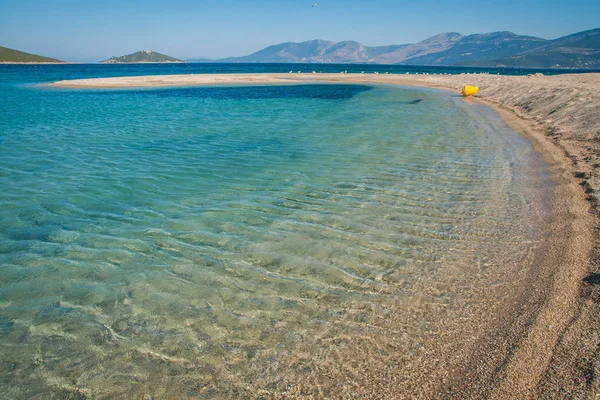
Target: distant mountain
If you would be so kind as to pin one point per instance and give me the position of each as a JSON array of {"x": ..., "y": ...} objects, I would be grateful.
[
  {"x": 143, "y": 56},
  {"x": 14, "y": 56},
  {"x": 479, "y": 47},
  {"x": 288, "y": 52},
  {"x": 433, "y": 45},
  {"x": 315, "y": 51},
  {"x": 580, "y": 50}
]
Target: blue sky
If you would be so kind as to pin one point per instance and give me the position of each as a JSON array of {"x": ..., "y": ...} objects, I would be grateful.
[{"x": 87, "y": 30}]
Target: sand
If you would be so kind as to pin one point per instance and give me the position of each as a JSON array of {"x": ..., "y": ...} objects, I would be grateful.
[{"x": 542, "y": 339}]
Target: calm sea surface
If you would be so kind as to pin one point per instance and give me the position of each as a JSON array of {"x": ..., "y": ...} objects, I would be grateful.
[{"x": 178, "y": 241}]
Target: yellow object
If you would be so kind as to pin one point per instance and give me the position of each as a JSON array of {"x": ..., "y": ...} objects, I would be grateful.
[{"x": 469, "y": 90}]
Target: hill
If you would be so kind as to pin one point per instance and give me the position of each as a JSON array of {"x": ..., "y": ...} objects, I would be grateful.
[
  {"x": 142, "y": 56},
  {"x": 14, "y": 56},
  {"x": 580, "y": 50}
]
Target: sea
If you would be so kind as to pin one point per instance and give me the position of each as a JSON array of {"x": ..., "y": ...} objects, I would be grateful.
[{"x": 230, "y": 241}]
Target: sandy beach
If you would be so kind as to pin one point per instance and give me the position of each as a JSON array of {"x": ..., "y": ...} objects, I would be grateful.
[{"x": 542, "y": 342}]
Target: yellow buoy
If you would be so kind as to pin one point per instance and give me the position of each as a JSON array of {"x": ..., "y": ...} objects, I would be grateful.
[{"x": 469, "y": 90}]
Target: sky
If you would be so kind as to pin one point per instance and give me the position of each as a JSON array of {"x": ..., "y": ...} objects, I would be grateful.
[{"x": 89, "y": 31}]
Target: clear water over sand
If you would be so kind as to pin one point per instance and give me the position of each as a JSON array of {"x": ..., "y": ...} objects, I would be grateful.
[{"x": 184, "y": 241}]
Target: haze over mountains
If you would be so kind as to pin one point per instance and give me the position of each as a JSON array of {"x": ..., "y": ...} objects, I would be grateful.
[{"x": 496, "y": 49}]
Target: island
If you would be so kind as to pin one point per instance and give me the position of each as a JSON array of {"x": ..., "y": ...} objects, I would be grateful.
[
  {"x": 11, "y": 56},
  {"x": 142, "y": 56}
]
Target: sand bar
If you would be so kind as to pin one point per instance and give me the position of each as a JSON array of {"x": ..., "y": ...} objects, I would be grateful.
[{"x": 546, "y": 344}]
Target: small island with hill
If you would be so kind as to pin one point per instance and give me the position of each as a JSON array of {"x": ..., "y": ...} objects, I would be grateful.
[{"x": 142, "y": 56}]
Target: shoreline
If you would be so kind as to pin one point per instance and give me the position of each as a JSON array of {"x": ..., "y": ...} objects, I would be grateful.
[
  {"x": 557, "y": 303},
  {"x": 548, "y": 342}
]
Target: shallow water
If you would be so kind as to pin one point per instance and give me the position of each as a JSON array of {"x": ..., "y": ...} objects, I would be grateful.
[{"x": 181, "y": 241}]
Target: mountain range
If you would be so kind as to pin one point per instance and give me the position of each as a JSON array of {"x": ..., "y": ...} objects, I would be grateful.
[{"x": 496, "y": 49}]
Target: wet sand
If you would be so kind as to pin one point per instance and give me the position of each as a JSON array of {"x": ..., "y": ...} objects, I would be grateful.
[{"x": 537, "y": 340}]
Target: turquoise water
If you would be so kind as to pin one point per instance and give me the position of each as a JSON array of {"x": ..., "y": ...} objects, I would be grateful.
[{"x": 172, "y": 242}]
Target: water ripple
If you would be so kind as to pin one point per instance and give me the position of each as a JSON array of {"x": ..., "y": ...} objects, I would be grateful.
[{"x": 162, "y": 233}]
